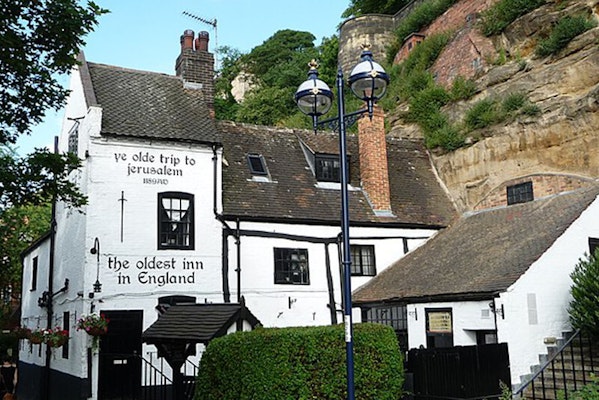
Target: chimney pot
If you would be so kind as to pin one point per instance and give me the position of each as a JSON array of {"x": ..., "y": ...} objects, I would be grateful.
[
  {"x": 202, "y": 41},
  {"x": 187, "y": 39}
]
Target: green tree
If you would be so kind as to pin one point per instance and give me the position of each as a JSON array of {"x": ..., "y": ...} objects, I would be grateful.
[
  {"x": 361, "y": 7},
  {"x": 38, "y": 40},
  {"x": 37, "y": 178},
  {"x": 584, "y": 307},
  {"x": 19, "y": 227},
  {"x": 276, "y": 68}
]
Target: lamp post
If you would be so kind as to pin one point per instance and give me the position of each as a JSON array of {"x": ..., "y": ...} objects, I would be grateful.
[{"x": 368, "y": 81}]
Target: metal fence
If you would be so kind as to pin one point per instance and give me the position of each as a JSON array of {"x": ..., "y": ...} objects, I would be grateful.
[
  {"x": 462, "y": 372},
  {"x": 567, "y": 369}
]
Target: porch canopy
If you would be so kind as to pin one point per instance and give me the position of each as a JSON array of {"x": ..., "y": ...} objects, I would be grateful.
[{"x": 182, "y": 326}]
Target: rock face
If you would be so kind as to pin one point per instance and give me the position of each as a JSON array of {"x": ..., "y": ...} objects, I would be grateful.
[
  {"x": 564, "y": 140},
  {"x": 558, "y": 150}
]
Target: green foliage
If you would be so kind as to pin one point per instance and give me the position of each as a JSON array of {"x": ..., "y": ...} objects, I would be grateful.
[
  {"x": 483, "y": 114},
  {"x": 506, "y": 393},
  {"x": 300, "y": 363},
  {"x": 566, "y": 29},
  {"x": 425, "y": 101},
  {"x": 285, "y": 50},
  {"x": 590, "y": 391},
  {"x": 531, "y": 110},
  {"x": 38, "y": 40},
  {"x": 38, "y": 177},
  {"x": 514, "y": 102},
  {"x": 361, "y": 7},
  {"x": 489, "y": 111},
  {"x": 415, "y": 21},
  {"x": 229, "y": 68},
  {"x": 276, "y": 68},
  {"x": 19, "y": 227},
  {"x": 504, "y": 12},
  {"x": 462, "y": 89},
  {"x": 446, "y": 136},
  {"x": 584, "y": 307}
]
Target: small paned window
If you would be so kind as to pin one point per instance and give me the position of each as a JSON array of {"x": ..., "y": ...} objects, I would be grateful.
[
  {"x": 74, "y": 137},
  {"x": 175, "y": 221},
  {"x": 257, "y": 164},
  {"x": 593, "y": 245},
  {"x": 328, "y": 168},
  {"x": 34, "y": 274},
  {"x": 395, "y": 316},
  {"x": 291, "y": 266},
  {"x": 362, "y": 260},
  {"x": 520, "y": 193}
]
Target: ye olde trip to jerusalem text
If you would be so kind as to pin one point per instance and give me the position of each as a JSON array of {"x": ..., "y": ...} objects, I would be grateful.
[{"x": 145, "y": 163}]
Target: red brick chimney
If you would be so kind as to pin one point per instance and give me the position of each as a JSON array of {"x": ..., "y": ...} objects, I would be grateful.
[
  {"x": 196, "y": 65},
  {"x": 374, "y": 172}
]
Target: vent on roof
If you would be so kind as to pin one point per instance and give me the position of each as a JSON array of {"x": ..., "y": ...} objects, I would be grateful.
[{"x": 257, "y": 164}]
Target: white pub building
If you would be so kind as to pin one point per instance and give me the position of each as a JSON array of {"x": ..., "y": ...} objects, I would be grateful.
[{"x": 209, "y": 226}]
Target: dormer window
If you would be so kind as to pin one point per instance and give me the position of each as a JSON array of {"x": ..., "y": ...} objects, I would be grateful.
[
  {"x": 520, "y": 193},
  {"x": 257, "y": 164},
  {"x": 328, "y": 168}
]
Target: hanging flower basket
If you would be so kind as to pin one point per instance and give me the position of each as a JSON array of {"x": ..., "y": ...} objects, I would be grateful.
[
  {"x": 56, "y": 337},
  {"x": 36, "y": 336},
  {"x": 97, "y": 331},
  {"x": 93, "y": 324},
  {"x": 21, "y": 332}
]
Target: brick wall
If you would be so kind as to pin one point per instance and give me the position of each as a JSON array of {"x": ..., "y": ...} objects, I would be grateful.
[
  {"x": 196, "y": 65},
  {"x": 542, "y": 185},
  {"x": 374, "y": 172}
]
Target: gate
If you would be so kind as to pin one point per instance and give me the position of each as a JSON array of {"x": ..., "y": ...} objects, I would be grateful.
[{"x": 463, "y": 372}]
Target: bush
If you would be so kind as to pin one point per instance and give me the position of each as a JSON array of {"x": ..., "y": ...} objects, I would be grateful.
[
  {"x": 422, "y": 16},
  {"x": 504, "y": 12},
  {"x": 484, "y": 113},
  {"x": 462, "y": 89},
  {"x": 563, "y": 33},
  {"x": 446, "y": 136},
  {"x": 514, "y": 102},
  {"x": 301, "y": 363},
  {"x": 584, "y": 307}
]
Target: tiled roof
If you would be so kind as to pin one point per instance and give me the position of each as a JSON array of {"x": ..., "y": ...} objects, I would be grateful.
[
  {"x": 293, "y": 193},
  {"x": 480, "y": 254},
  {"x": 148, "y": 105},
  {"x": 198, "y": 323}
]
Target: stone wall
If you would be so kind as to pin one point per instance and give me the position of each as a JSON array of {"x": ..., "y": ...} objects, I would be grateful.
[{"x": 374, "y": 29}]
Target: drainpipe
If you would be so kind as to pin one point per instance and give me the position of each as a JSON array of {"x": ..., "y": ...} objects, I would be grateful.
[
  {"x": 238, "y": 269},
  {"x": 227, "y": 231},
  {"x": 49, "y": 305}
]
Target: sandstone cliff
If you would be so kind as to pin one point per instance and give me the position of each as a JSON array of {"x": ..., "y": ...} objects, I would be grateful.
[{"x": 562, "y": 143}]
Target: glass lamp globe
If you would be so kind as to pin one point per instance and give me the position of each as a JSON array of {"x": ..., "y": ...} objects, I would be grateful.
[
  {"x": 313, "y": 96},
  {"x": 368, "y": 80}
]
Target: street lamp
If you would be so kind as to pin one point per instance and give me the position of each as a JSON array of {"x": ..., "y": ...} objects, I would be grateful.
[{"x": 368, "y": 81}]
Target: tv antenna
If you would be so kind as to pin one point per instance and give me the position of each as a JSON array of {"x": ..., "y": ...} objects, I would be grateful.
[{"x": 212, "y": 23}]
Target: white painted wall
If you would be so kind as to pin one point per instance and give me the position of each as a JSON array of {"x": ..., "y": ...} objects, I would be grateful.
[
  {"x": 467, "y": 318},
  {"x": 270, "y": 301},
  {"x": 544, "y": 292},
  {"x": 535, "y": 307}
]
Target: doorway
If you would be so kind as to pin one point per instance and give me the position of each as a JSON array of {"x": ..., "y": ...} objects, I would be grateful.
[{"x": 119, "y": 371}]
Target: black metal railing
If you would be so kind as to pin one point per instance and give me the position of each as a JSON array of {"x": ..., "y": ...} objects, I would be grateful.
[
  {"x": 156, "y": 385},
  {"x": 567, "y": 370}
]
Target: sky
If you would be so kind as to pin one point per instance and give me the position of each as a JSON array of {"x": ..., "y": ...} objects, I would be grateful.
[{"x": 144, "y": 34}]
